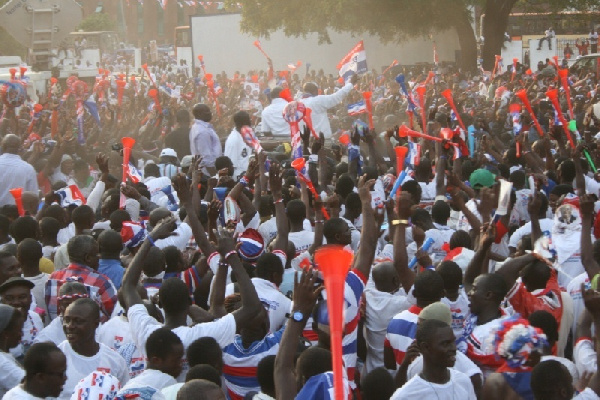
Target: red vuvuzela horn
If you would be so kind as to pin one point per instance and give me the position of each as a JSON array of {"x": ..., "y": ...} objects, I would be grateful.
[
  {"x": 404, "y": 131},
  {"x": 522, "y": 95},
  {"x": 334, "y": 262},
  {"x": 367, "y": 96},
  {"x": 553, "y": 96},
  {"x": 401, "y": 152},
  {"x": 17, "y": 193},
  {"x": 421, "y": 90},
  {"x": 447, "y": 94},
  {"x": 298, "y": 164}
]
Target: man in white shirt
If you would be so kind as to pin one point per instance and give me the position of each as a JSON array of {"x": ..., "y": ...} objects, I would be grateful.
[
  {"x": 438, "y": 380},
  {"x": 84, "y": 354},
  {"x": 272, "y": 115},
  {"x": 45, "y": 367},
  {"x": 319, "y": 104},
  {"x": 165, "y": 352},
  {"x": 236, "y": 148},
  {"x": 14, "y": 172},
  {"x": 548, "y": 35}
]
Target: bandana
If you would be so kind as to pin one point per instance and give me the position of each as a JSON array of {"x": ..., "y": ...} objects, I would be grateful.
[
  {"x": 97, "y": 385},
  {"x": 132, "y": 234},
  {"x": 514, "y": 340}
]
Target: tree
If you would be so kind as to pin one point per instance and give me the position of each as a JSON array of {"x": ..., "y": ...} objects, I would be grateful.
[
  {"x": 397, "y": 20},
  {"x": 97, "y": 22}
]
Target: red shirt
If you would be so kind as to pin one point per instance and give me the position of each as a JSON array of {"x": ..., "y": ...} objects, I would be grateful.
[{"x": 547, "y": 299}]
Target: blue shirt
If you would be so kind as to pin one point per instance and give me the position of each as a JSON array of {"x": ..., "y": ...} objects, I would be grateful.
[
  {"x": 205, "y": 142},
  {"x": 113, "y": 270}
]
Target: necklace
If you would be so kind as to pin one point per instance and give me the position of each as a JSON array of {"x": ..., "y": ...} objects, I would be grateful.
[{"x": 435, "y": 391}]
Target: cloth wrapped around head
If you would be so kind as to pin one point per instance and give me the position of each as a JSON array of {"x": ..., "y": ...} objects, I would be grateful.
[{"x": 515, "y": 340}]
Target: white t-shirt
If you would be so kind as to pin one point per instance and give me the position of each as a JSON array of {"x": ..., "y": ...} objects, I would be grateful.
[
  {"x": 238, "y": 152},
  {"x": 458, "y": 387},
  {"x": 31, "y": 328},
  {"x": 585, "y": 357},
  {"x": 459, "y": 309},
  {"x": 268, "y": 230},
  {"x": 275, "y": 302},
  {"x": 567, "y": 363},
  {"x": 574, "y": 290},
  {"x": 17, "y": 393},
  {"x": 52, "y": 333},
  {"x": 11, "y": 373},
  {"x": 463, "y": 364},
  {"x": 587, "y": 394},
  {"x": 38, "y": 291},
  {"x": 152, "y": 378},
  {"x": 78, "y": 366},
  {"x": 546, "y": 224},
  {"x": 302, "y": 240},
  {"x": 380, "y": 309},
  {"x": 142, "y": 325},
  {"x": 116, "y": 334}
]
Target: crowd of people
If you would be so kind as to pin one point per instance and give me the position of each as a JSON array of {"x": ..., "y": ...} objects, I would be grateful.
[{"x": 183, "y": 267}]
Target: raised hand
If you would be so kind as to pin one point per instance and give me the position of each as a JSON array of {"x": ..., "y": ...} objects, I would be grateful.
[
  {"x": 305, "y": 292},
  {"x": 181, "y": 185},
  {"x": 226, "y": 242},
  {"x": 214, "y": 208},
  {"x": 130, "y": 191},
  {"x": 164, "y": 228},
  {"x": 102, "y": 161},
  {"x": 196, "y": 170},
  {"x": 404, "y": 205},
  {"x": 275, "y": 179}
]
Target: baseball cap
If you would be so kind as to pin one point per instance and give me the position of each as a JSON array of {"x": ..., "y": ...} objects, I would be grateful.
[
  {"x": 186, "y": 161},
  {"x": 482, "y": 178},
  {"x": 438, "y": 311},
  {"x": 168, "y": 153},
  {"x": 15, "y": 281}
]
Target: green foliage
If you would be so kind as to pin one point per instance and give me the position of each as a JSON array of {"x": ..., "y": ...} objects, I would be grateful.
[{"x": 98, "y": 22}]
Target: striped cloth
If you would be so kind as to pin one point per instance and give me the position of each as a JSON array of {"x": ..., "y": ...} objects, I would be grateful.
[
  {"x": 401, "y": 332},
  {"x": 240, "y": 364}
]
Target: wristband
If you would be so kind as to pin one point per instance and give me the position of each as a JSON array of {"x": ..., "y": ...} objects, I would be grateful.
[
  {"x": 151, "y": 240},
  {"x": 278, "y": 201},
  {"x": 400, "y": 221},
  {"x": 319, "y": 221},
  {"x": 244, "y": 181},
  {"x": 232, "y": 252}
]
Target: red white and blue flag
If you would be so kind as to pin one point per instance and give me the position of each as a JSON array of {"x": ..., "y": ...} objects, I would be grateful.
[
  {"x": 357, "y": 108},
  {"x": 413, "y": 157},
  {"x": 70, "y": 195},
  {"x": 355, "y": 62},
  {"x": 134, "y": 174}
]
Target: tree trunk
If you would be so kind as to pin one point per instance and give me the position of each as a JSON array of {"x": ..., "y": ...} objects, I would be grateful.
[
  {"x": 495, "y": 22},
  {"x": 467, "y": 42}
]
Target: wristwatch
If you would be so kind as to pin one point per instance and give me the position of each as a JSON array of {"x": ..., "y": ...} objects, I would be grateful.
[{"x": 297, "y": 316}]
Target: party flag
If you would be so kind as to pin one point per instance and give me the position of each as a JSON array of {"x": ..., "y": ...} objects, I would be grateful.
[{"x": 355, "y": 62}]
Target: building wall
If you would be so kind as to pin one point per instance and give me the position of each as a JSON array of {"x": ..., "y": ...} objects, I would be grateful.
[{"x": 146, "y": 22}]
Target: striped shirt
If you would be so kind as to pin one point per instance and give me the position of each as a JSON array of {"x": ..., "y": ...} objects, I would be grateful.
[
  {"x": 401, "y": 332},
  {"x": 240, "y": 364}
]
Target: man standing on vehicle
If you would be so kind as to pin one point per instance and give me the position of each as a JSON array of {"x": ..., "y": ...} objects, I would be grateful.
[
  {"x": 319, "y": 104},
  {"x": 203, "y": 138},
  {"x": 272, "y": 116}
]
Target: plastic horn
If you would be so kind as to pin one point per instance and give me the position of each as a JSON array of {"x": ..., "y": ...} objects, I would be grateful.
[
  {"x": 430, "y": 77},
  {"x": 298, "y": 164},
  {"x": 555, "y": 58},
  {"x": 426, "y": 246},
  {"x": 259, "y": 47},
  {"x": 553, "y": 96},
  {"x": 22, "y": 71},
  {"x": 13, "y": 73},
  {"x": 421, "y": 90},
  {"x": 394, "y": 63},
  {"x": 563, "y": 74},
  {"x": 497, "y": 62},
  {"x": 401, "y": 152},
  {"x": 120, "y": 90},
  {"x": 127, "y": 143},
  {"x": 17, "y": 193},
  {"x": 404, "y": 131},
  {"x": 367, "y": 96},
  {"x": 153, "y": 93},
  {"x": 220, "y": 192},
  {"x": 514, "y": 71},
  {"x": 522, "y": 95},
  {"x": 411, "y": 118},
  {"x": 334, "y": 262},
  {"x": 448, "y": 96},
  {"x": 145, "y": 67},
  {"x": 308, "y": 121},
  {"x": 588, "y": 157}
]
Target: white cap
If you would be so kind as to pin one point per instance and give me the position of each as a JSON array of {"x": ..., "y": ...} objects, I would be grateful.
[{"x": 168, "y": 152}]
